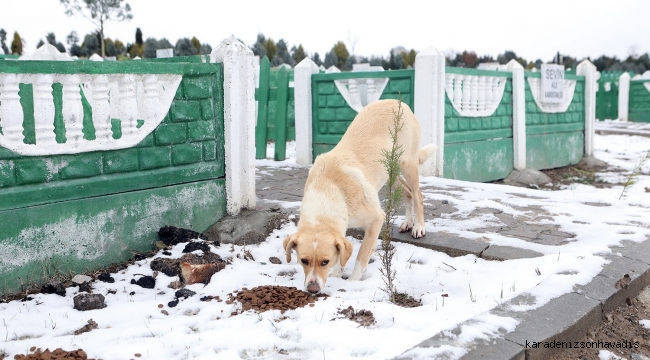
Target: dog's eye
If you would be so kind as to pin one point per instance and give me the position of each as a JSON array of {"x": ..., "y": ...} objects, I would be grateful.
[
  {"x": 325, "y": 262},
  {"x": 305, "y": 261}
]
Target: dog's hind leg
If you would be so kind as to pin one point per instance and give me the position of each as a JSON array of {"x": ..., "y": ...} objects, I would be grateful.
[
  {"x": 407, "y": 195},
  {"x": 412, "y": 179}
]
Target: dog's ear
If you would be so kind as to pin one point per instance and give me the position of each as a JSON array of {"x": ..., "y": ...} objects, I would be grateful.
[
  {"x": 288, "y": 245},
  {"x": 344, "y": 246}
]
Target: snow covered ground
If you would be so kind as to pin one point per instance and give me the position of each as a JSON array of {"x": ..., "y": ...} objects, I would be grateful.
[{"x": 133, "y": 323}]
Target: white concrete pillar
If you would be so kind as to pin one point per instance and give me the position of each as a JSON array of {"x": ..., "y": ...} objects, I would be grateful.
[
  {"x": 430, "y": 106},
  {"x": 303, "y": 106},
  {"x": 588, "y": 70},
  {"x": 518, "y": 114},
  {"x": 239, "y": 122},
  {"x": 623, "y": 96}
]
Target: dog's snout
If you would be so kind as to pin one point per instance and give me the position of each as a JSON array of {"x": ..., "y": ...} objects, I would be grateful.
[{"x": 313, "y": 287}]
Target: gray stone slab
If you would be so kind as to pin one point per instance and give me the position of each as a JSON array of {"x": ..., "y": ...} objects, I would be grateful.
[
  {"x": 450, "y": 245},
  {"x": 495, "y": 349},
  {"x": 498, "y": 252},
  {"x": 634, "y": 250},
  {"x": 638, "y": 272},
  {"x": 562, "y": 319}
]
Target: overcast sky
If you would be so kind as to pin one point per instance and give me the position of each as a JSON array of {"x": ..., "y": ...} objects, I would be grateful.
[{"x": 533, "y": 29}]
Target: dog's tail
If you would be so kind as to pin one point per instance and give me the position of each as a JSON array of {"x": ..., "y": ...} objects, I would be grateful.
[{"x": 426, "y": 151}]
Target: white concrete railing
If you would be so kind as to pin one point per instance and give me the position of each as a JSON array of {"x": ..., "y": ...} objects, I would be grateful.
[
  {"x": 475, "y": 95},
  {"x": 126, "y": 97},
  {"x": 569, "y": 89}
]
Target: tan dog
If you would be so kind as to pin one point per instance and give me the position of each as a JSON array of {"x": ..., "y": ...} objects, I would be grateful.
[{"x": 342, "y": 192}]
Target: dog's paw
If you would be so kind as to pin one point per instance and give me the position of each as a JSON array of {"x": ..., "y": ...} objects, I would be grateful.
[
  {"x": 418, "y": 231},
  {"x": 406, "y": 226},
  {"x": 357, "y": 272},
  {"x": 337, "y": 271}
]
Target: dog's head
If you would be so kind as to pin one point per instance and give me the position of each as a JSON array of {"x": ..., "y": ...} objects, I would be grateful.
[{"x": 318, "y": 252}]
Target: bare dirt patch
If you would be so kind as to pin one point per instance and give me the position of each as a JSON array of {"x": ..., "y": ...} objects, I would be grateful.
[
  {"x": 620, "y": 325},
  {"x": 38, "y": 354},
  {"x": 363, "y": 317}
]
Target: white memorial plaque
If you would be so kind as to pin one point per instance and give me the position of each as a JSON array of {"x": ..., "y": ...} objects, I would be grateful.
[{"x": 552, "y": 84}]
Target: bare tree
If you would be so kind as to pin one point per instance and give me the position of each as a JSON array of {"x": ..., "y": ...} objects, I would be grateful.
[{"x": 99, "y": 12}]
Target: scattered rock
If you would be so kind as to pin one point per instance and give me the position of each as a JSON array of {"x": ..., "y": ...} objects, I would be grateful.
[
  {"x": 196, "y": 245},
  {"x": 105, "y": 277},
  {"x": 171, "y": 235},
  {"x": 199, "y": 269},
  {"x": 84, "y": 302},
  {"x": 623, "y": 282},
  {"x": 169, "y": 267},
  {"x": 86, "y": 328},
  {"x": 591, "y": 163},
  {"x": 275, "y": 208},
  {"x": 526, "y": 178},
  {"x": 363, "y": 317},
  {"x": 275, "y": 260},
  {"x": 165, "y": 312},
  {"x": 138, "y": 257},
  {"x": 160, "y": 245},
  {"x": 53, "y": 287},
  {"x": 199, "y": 273},
  {"x": 249, "y": 227},
  {"x": 270, "y": 297},
  {"x": 172, "y": 303},
  {"x": 167, "y": 253},
  {"x": 175, "y": 285},
  {"x": 80, "y": 279},
  {"x": 85, "y": 287},
  {"x": 38, "y": 354},
  {"x": 184, "y": 293},
  {"x": 147, "y": 282}
]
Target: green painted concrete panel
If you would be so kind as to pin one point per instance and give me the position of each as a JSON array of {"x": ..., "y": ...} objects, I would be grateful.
[
  {"x": 331, "y": 115},
  {"x": 87, "y": 234},
  {"x": 551, "y": 150},
  {"x": 639, "y": 105},
  {"x": 479, "y": 161},
  {"x": 26, "y": 93},
  {"x": 59, "y": 126}
]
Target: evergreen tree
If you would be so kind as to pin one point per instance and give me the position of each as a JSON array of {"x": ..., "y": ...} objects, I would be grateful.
[
  {"x": 90, "y": 45},
  {"x": 205, "y": 49},
  {"x": 317, "y": 60},
  {"x": 119, "y": 47},
  {"x": 258, "y": 48},
  {"x": 196, "y": 43},
  {"x": 17, "y": 44},
  {"x": 298, "y": 54},
  {"x": 185, "y": 47},
  {"x": 282, "y": 55},
  {"x": 138, "y": 37},
  {"x": 349, "y": 62},
  {"x": 109, "y": 47},
  {"x": 270, "y": 47},
  {"x": 330, "y": 60},
  {"x": 341, "y": 52},
  {"x": 72, "y": 38},
  {"x": 3, "y": 39}
]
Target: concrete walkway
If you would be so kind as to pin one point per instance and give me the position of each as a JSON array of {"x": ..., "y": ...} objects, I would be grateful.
[
  {"x": 562, "y": 319},
  {"x": 623, "y": 128}
]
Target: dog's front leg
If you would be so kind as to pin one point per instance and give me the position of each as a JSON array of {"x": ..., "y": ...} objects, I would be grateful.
[
  {"x": 372, "y": 230},
  {"x": 337, "y": 270}
]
